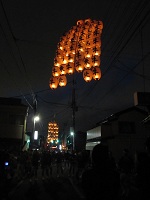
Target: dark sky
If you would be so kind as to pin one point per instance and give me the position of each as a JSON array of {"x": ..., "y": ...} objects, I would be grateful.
[{"x": 29, "y": 34}]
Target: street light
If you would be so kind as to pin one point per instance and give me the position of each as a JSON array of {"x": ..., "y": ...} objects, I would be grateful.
[
  {"x": 72, "y": 134},
  {"x": 36, "y": 118}
]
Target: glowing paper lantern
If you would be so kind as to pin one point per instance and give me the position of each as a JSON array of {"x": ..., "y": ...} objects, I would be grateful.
[
  {"x": 87, "y": 75},
  {"x": 53, "y": 130},
  {"x": 80, "y": 22},
  {"x": 70, "y": 68},
  {"x": 63, "y": 69},
  {"x": 79, "y": 65},
  {"x": 79, "y": 48},
  {"x": 88, "y": 52},
  {"x": 71, "y": 58},
  {"x": 96, "y": 61},
  {"x": 96, "y": 50},
  {"x": 87, "y": 63},
  {"x": 59, "y": 53},
  {"x": 62, "y": 80},
  {"x": 96, "y": 73},
  {"x": 53, "y": 83},
  {"x": 55, "y": 71}
]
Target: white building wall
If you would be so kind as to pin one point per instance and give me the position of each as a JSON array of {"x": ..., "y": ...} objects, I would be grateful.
[
  {"x": 93, "y": 133},
  {"x": 134, "y": 142}
]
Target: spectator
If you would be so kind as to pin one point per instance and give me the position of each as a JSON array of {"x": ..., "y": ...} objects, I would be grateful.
[
  {"x": 143, "y": 172},
  {"x": 35, "y": 163},
  {"x": 101, "y": 181},
  {"x": 126, "y": 163},
  {"x": 73, "y": 163},
  {"x": 59, "y": 160},
  {"x": 82, "y": 163},
  {"x": 46, "y": 164}
]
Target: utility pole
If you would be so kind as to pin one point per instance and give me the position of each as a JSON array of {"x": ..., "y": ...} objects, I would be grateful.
[
  {"x": 74, "y": 109},
  {"x": 34, "y": 114}
]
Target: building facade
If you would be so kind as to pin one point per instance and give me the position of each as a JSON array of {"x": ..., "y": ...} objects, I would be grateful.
[
  {"x": 13, "y": 115},
  {"x": 121, "y": 130}
]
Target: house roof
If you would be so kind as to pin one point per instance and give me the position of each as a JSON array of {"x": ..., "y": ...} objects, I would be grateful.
[{"x": 115, "y": 116}]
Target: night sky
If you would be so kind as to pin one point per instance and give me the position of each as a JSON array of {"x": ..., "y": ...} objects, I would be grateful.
[{"x": 29, "y": 34}]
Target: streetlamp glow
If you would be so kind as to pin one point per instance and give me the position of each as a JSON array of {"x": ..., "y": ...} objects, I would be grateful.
[
  {"x": 72, "y": 134},
  {"x": 36, "y": 118}
]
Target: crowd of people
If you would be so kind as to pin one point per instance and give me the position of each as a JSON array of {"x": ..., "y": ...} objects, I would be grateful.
[
  {"x": 99, "y": 175},
  {"x": 27, "y": 164},
  {"x": 125, "y": 179}
]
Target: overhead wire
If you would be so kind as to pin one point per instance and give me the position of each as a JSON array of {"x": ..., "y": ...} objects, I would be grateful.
[
  {"x": 132, "y": 71},
  {"x": 13, "y": 80},
  {"x": 129, "y": 38},
  {"x": 93, "y": 86},
  {"x": 111, "y": 89},
  {"x": 109, "y": 12},
  {"x": 121, "y": 43},
  {"x": 14, "y": 45},
  {"x": 124, "y": 11}
]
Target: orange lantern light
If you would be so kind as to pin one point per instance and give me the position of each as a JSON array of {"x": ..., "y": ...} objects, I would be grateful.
[
  {"x": 96, "y": 73},
  {"x": 62, "y": 80},
  {"x": 100, "y": 24},
  {"x": 79, "y": 55},
  {"x": 88, "y": 52},
  {"x": 96, "y": 61},
  {"x": 71, "y": 58},
  {"x": 59, "y": 53},
  {"x": 87, "y": 75},
  {"x": 80, "y": 22},
  {"x": 80, "y": 48},
  {"x": 84, "y": 30},
  {"x": 55, "y": 71},
  {"x": 79, "y": 65},
  {"x": 70, "y": 68},
  {"x": 97, "y": 41},
  {"x": 89, "y": 44},
  {"x": 63, "y": 69},
  {"x": 96, "y": 51},
  {"x": 53, "y": 83},
  {"x": 91, "y": 28},
  {"x": 87, "y": 63},
  {"x": 72, "y": 48},
  {"x": 82, "y": 37},
  {"x": 88, "y": 20},
  {"x": 89, "y": 36},
  {"x": 64, "y": 60},
  {"x": 58, "y": 61},
  {"x": 87, "y": 23}
]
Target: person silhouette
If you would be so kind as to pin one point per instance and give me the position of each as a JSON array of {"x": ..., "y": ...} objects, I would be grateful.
[
  {"x": 143, "y": 172},
  {"x": 102, "y": 180}
]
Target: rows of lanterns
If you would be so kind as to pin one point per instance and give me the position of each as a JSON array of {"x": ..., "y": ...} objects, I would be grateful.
[
  {"x": 78, "y": 50},
  {"x": 53, "y": 130}
]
